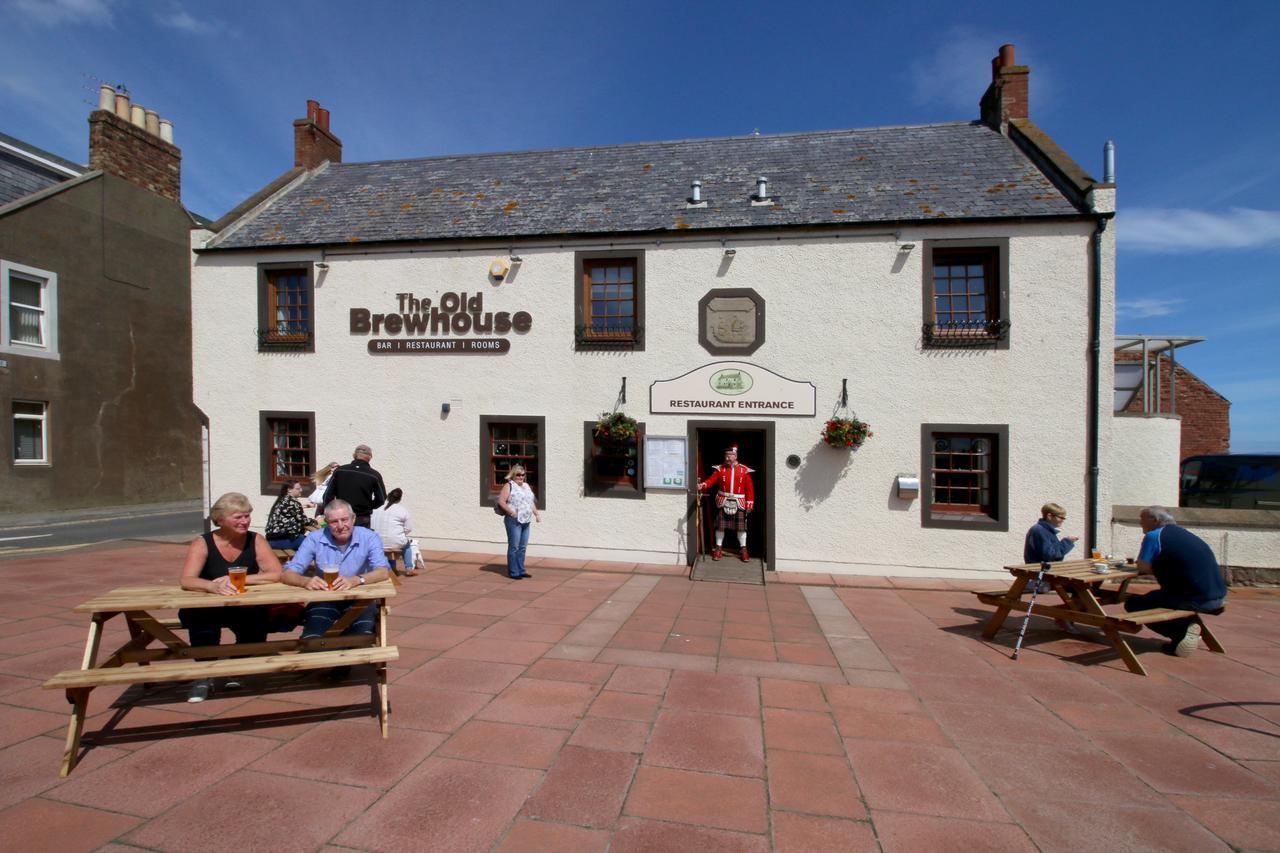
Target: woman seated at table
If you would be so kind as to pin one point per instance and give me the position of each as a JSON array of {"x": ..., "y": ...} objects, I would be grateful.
[
  {"x": 286, "y": 523},
  {"x": 206, "y": 570}
]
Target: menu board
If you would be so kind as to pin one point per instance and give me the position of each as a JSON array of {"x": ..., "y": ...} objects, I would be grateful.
[{"x": 664, "y": 462}]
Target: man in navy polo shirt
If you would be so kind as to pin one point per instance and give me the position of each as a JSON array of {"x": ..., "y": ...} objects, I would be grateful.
[
  {"x": 1187, "y": 572},
  {"x": 358, "y": 554}
]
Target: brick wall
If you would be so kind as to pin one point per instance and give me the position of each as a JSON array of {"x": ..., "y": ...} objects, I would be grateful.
[
  {"x": 313, "y": 144},
  {"x": 1206, "y": 414},
  {"x": 130, "y": 152}
]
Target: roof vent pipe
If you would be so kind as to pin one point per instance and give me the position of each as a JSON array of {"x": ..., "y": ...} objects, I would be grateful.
[
  {"x": 1109, "y": 162},
  {"x": 695, "y": 192},
  {"x": 166, "y": 130},
  {"x": 762, "y": 187},
  {"x": 107, "y": 97}
]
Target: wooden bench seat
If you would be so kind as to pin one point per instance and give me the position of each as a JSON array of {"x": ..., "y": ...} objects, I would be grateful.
[{"x": 163, "y": 671}]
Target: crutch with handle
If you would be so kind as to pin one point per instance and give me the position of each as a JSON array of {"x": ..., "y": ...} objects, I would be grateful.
[{"x": 1017, "y": 647}]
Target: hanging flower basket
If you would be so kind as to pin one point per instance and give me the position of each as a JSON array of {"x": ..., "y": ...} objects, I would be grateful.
[
  {"x": 846, "y": 432},
  {"x": 617, "y": 428}
]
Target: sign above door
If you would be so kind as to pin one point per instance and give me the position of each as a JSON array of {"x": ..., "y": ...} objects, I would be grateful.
[{"x": 733, "y": 388}]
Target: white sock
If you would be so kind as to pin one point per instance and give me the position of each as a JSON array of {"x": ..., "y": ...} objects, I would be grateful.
[{"x": 719, "y": 538}]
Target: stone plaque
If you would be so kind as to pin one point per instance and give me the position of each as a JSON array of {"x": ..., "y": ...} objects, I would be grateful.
[{"x": 731, "y": 321}]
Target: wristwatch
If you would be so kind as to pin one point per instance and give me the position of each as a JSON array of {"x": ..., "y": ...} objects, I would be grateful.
[{"x": 361, "y": 579}]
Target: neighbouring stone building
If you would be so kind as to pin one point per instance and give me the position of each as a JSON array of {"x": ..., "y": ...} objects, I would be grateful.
[
  {"x": 95, "y": 340},
  {"x": 952, "y": 284}
]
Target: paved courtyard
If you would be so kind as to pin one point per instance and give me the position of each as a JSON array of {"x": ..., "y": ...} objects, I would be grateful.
[{"x": 613, "y": 707}]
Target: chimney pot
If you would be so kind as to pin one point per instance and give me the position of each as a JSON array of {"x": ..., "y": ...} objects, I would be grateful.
[
  {"x": 313, "y": 109},
  {"x": 322, "y": 116},
  {"x": 122, "y": 105},
  {"x": 152, "y": 120},
  {"x": 106, "y": 97},
  {"x": 137, "y": 116},
  {"x": 1006, "y": 55},
  {"x": 166, "y": 130}
]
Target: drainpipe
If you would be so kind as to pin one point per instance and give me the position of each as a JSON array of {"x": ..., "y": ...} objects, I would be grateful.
[{"x": 1095, "y": 381}]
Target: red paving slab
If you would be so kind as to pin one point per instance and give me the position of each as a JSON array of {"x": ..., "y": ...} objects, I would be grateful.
[
  {"x": 586, "y": 787},
  {"x": 713, "y": 719},
  {"x": 800, "y": 833}
]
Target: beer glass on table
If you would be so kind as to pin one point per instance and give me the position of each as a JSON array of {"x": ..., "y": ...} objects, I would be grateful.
[
  {"x": 238, "y": 576},
  {"x": 330, "y": 575}
]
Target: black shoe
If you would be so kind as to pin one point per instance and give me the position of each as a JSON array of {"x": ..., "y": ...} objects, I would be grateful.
[
  {"x": 525, "y": 575},
  {"x": 515, "y": 577}
]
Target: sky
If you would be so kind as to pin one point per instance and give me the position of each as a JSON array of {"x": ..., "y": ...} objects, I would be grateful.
[{"x": 1185, "y": 89}]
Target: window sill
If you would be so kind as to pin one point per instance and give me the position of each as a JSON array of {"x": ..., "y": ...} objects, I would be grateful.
[{"x": 30, "y": 351}]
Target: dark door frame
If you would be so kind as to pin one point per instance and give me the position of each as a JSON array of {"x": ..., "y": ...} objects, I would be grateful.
[{"x": 767, "y": 497}]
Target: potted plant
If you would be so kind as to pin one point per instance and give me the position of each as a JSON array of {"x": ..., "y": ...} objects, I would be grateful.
[
  {"x": 616, "y": 427},
  {"x": 846, "y": 432}
]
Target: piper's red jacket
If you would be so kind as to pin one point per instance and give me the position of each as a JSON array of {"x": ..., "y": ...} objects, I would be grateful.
[{"x": 733, "y": 480}]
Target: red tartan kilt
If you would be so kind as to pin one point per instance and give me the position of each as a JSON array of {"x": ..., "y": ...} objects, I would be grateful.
[{"x": 738, "y": 521}]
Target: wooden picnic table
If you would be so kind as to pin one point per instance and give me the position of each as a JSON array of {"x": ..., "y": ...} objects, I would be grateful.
[
  {"x": 174, "y": 659},
  {"x": 1081, "y": 595}
]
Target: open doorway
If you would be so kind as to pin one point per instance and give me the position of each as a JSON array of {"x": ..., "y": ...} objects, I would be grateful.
[{"x": 754, "y": 440}]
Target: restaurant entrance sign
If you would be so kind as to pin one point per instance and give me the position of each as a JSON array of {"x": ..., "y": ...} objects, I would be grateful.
[{"x": 733, "y": 388}]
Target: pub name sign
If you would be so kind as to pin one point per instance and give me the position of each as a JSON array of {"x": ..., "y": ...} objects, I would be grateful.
[{"x": 456, "y": 314}]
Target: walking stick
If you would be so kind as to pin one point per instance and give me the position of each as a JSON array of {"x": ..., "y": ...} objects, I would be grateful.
[
  {"x": 698, "y": 524},
  {"x": 1017, "y": 647}
]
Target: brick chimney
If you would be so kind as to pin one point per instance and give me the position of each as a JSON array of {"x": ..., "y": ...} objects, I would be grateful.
[
  {"x": 313, "y": 144},
  {"x": 1006, "y": 97},
  {"x": 121, "y": 143}
]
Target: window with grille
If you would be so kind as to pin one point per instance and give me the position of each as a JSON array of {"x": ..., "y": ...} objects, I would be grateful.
[
  {"x": 30, "y": 432},
  {"x": 28, "y": 311},
  {"x": 288, "y": 448},
  {"x": 610, "y": 300},
  {"x": 966, "y": 475},
  {"x": 966, "y": 302},
  {"x": 510, "y": 440},
  {"x": 613, "y": 469},
  {"x": 285, "y": 314}
]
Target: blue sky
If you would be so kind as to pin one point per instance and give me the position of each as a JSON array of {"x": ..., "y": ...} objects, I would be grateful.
[{"x": 1186, "y": 92}]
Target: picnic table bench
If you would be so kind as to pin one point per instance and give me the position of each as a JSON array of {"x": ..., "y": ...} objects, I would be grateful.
[
  {"x": 1082, "y": 592},
  {"x": 137, "y": 661}
]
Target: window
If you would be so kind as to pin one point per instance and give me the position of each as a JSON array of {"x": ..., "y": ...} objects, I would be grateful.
[
  {"x": 506, "y": 441},
  {"x": 965, "y": 293},
  {"x": 613, "y": 469},
  {"x": 30, "y": 432},
  {"x": 965, "y": 480},
  {"x": 609, "y": 301},
  {"x": 285, "y": 317},
  {"x": 288, "y": 448},
  {"x": 29, "y": 305}
]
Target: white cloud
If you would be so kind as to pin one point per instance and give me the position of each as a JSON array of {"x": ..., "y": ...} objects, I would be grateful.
[
  {"x": 1138, "y": 308},
  {"x": 1176, "y": 230},
  {"x": 181, "y": 19},
  {"x": 956, "y": 72},
  {"x": 57, "y": 12}
]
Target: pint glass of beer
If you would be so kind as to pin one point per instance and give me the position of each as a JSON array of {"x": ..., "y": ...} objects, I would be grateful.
[
  {"x": 237, "y": 574},
  {"x": 330, "y": 575}
]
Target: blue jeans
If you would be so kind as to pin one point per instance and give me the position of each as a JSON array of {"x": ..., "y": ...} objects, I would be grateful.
[
  {"x": 292, "y": 544},
  {"x": 321, "y": 615},
  {"x": 517, "y": 540},
  {"x": 409, "y": 558}
]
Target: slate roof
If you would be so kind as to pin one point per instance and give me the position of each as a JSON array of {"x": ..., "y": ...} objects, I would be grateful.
[
  {"x": 922, "y": 173},
  {"x": 21, "y": 175}
]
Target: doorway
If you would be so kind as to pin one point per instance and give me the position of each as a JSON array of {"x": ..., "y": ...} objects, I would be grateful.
[{"x": 755, "y": 442}]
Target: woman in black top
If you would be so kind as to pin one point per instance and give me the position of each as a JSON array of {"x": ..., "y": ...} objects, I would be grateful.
[
  {"x": 205, "y": 570},
  {"x": 286, "y": 522}
]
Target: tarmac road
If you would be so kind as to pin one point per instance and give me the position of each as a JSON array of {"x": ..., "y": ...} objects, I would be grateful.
[{"x": 160, "y": 524}]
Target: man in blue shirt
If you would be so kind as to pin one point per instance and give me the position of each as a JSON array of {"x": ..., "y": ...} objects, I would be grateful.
[
  {"x": 1187, "y": 572},
  {"x": 358, "y": 554}
]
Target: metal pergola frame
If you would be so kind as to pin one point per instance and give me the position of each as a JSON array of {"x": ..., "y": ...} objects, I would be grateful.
[{"x": 1155, "y": 346}]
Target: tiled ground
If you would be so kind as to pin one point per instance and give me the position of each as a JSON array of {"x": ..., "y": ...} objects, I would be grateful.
[{"x": 622, "y": 708}]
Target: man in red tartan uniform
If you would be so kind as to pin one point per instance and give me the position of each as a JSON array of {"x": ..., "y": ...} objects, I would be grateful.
[{"x": 735, "y": 499}]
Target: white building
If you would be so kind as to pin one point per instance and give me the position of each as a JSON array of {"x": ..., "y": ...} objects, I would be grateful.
[{"x": 953, "y": 282}]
